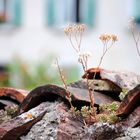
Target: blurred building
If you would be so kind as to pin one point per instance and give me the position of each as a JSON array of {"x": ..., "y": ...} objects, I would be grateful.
[{"x": 32, "y": 29}]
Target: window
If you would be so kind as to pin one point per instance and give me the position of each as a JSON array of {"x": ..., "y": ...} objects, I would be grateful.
[
  {"x": 10, "y": 12},
  {"x": 136, "y": 11},
  {"x": 3, "y": 11},
  {"x": 63, "y": 12}
]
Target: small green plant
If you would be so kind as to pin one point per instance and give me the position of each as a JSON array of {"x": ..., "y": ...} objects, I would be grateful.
[
  {"x": 10, "y": 110},
  {"x": 7, "y": 113},
  {"x": 107, "y": 113},
  {"x": 102, "y": 108},
  {"x": 123, "y": 94},
  {"x": 84, "y": 114},
  {"x": 112, "y": 118},
  {"x": 112, "y": 107},
  {"x": 102, "y": 118},
  {"x": 86, "y": 111},
  {"x": 75, "y": 112}
]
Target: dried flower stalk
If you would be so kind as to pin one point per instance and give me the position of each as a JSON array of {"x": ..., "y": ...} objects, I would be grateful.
[
  {"x": 74, "y": 34},
  {"x": 107, "y": 41},
  {"x": 64, "y": 83},
  {"x": 83, "y": 59}
]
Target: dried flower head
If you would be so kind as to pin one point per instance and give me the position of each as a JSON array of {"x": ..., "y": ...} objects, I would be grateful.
[
  {"x": 105, "y": 37},
  {"x": 114, "y": 38},
  {"x": 80, "y": 27},
  {"x": 84, "y": 56},
  {"x": 83, "y": 59},
  {"x": 74, "y": 33},
  {"x": 131, "y": 23},
  {"x": 68, "y": 30},
  {"x": 74, "y": 29}
]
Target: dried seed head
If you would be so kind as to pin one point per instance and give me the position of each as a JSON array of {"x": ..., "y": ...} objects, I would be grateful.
[
  {"x": 81, "y": 27},
  {"x": 114, "y": 38},
  {"x": 68, "y": 30},
  {"x": 131, "y": 23},
  {"x": 74, "y": 28},
  {"x": 80, "y": 57},
  {"x": 105, "y": 37},
  {"x": 84, "y": 56},
  {"x": 87, "y": 54}
]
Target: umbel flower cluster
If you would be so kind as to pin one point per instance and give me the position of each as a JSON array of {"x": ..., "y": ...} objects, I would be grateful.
[
  {"x": 107, "y": 41},
  {"x": 105, "y": 38},
  {"x": 75, "y": 33}
]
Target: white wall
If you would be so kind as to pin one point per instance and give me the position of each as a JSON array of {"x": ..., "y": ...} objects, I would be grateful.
[{"x": 33, "y": 40}]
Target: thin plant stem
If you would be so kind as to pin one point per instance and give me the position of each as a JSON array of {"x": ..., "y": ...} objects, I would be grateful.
[
  {"x": 138, "y": 37},
  {"x": 64, "y": 83},
  {"x": 91, "y": 96},
  {"x": 61, "y": 75},
  {"x": 105, "y": 50},
  {"x": 75, "y": 35},
  {"x": 89, "y": 89},
  {"x": 136, "y": 42},
  {"x": 79, "y": 46},
  {"x": 73, "y": 44}
]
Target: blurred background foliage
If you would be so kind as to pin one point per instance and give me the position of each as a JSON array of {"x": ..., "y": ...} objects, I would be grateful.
[{"x": 21, "y": 74}]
